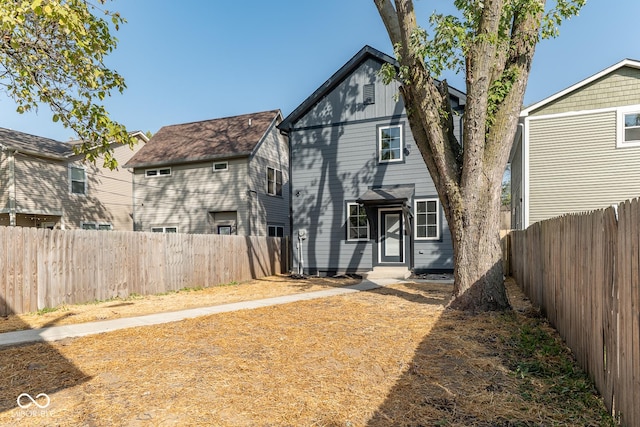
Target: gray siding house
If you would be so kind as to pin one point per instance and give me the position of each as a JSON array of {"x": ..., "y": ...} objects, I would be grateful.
[
  {"x": 361, "y": 195},
  {"x": 220, "y": 176},
  {"x": 43, "y": 183},
  {"x": 578, "y": 150}
]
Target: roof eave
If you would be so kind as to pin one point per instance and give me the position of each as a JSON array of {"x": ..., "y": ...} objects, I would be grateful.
[
  {"x": 173, "y": 162},
  {"x": 332, "y": 82}
]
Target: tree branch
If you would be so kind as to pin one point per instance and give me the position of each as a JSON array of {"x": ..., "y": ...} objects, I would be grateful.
[{"x": 390, "y": 19}]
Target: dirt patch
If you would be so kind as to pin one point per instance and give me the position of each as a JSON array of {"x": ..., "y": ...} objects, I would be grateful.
[
  {"x": 391, "y": 356},
  {"x": 138, "y": 305}
]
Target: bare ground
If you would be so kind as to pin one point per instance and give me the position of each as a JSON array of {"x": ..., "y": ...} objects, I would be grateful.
[{"x": 388, "y": 357}]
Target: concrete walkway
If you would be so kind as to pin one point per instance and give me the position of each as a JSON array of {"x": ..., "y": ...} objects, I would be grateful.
[{"x": 55, "y": 333}]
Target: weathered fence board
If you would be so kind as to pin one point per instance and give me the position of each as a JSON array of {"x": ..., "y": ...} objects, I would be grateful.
[
  {"x": 583, "y": 271},
  {"x": 47, "y": 268}
]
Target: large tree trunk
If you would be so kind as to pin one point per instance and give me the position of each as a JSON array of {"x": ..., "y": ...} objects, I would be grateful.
[{"x": 478, "y": 272}]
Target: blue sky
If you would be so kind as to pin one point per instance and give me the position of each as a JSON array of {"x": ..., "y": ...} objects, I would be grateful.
[{"x": 200, "y": 59}]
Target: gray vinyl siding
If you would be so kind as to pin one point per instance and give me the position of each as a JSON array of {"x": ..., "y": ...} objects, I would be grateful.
[
  {"x": 334, "y": 165},
  {"x": 575, "y": 165},
  {"x": 613, "y": 90},
  {"x": 273, "y": 151},
  {"x": 185, "y": 198}
]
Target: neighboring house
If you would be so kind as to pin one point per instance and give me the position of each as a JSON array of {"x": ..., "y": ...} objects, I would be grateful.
[
  {"x": 220, "y": 176},
  {"x": 361, "y": 193},
  {"x": 43, "y": 183},
  {"x": 579, "y": 149}
]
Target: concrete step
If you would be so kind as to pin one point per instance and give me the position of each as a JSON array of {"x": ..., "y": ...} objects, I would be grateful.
[{"x": 381, "y": 272}]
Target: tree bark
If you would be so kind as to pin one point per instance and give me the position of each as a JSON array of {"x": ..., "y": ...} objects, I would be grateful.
[{"x": 468, "y": 177}]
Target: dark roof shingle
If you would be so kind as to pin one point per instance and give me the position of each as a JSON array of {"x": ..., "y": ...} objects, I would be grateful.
[
  {"x": 34, "y": 144},
  {"x": 204, "y": 140}
]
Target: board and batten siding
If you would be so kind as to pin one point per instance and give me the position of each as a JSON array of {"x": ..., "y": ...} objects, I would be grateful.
[
  {"x": 185, "y": 198},
  {"x": 345, "y": 102},
  {"x": 272, "y": 151},
  {"x": 612, "y": 90},
  {"x": 575, "y": 166}
]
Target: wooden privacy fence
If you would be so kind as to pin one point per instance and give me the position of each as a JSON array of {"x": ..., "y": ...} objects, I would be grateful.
[
  {"x": 45, "y": 268},
  {"x": 582, "y": 271}
]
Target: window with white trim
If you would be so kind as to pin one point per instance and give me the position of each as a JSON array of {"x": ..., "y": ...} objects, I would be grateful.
[
  {"x": 152, "y": 173},
  {"x": 427, "y": 219},
  {"x": 77, "y": 180},
  {"x": 221, "y": 166},
  {"x": 357, "y": 222},
  {"x": 629, "y": 127},
  {"x": 390, "y": 144},
  {"x": 274, "y": 182},
  {"x": 275, "y": 231},
  {"x": 164, "y": 229}
]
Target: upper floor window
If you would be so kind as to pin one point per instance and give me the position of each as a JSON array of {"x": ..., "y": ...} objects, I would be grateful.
[
  {"x": 357, "y": 222},
  {"x": 427, "y": 219},
  {"x": 157, "y": 172},
  {"x": 78, "y": 180},
  {"x": 274, "y": 182},
  {"x": 390, "y": 144},
  {"x": 629, "y": 127}
]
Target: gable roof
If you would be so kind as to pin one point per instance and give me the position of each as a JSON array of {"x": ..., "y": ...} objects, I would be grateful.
[
  {"x": 35, "y": 145},
  {"x": 236, "y": 136},
  {"x": 624, "y": 63},
  {"x": 365, "y": 53}
]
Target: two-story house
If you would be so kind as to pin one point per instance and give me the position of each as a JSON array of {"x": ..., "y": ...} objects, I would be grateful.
[
  {"x": 43, "y": 183},
  {"x": 362, "y": 197},
  {"x": 579, "y": 149},
  {"x": 222, "y": 176}
]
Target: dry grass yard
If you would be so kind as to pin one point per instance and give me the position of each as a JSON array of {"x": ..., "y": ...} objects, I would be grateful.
[{"x": 387, "y": 357}]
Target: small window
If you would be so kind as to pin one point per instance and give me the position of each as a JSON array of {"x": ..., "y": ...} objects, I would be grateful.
[
  {"x": 427, "y": 218},
  {"x": 275, "y": 231},
  {"x": 96, "y": 226},
  {"x": 357, "y": 222},
  {"x": 224, "y": 230},
  {"x": 390, "y": 144},
  {"x": 220, "y": 166},
  {"x": 164, "y": 229},
  {"x": 274, "y": 182},
  {"x": 158, "y": 172},
  {"x": 628, "y": 133},
  {"x": 78, "y": 180}
]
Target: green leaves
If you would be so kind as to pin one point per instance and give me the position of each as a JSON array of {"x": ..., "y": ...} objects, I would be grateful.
[{"x": 52, "y": 53}]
